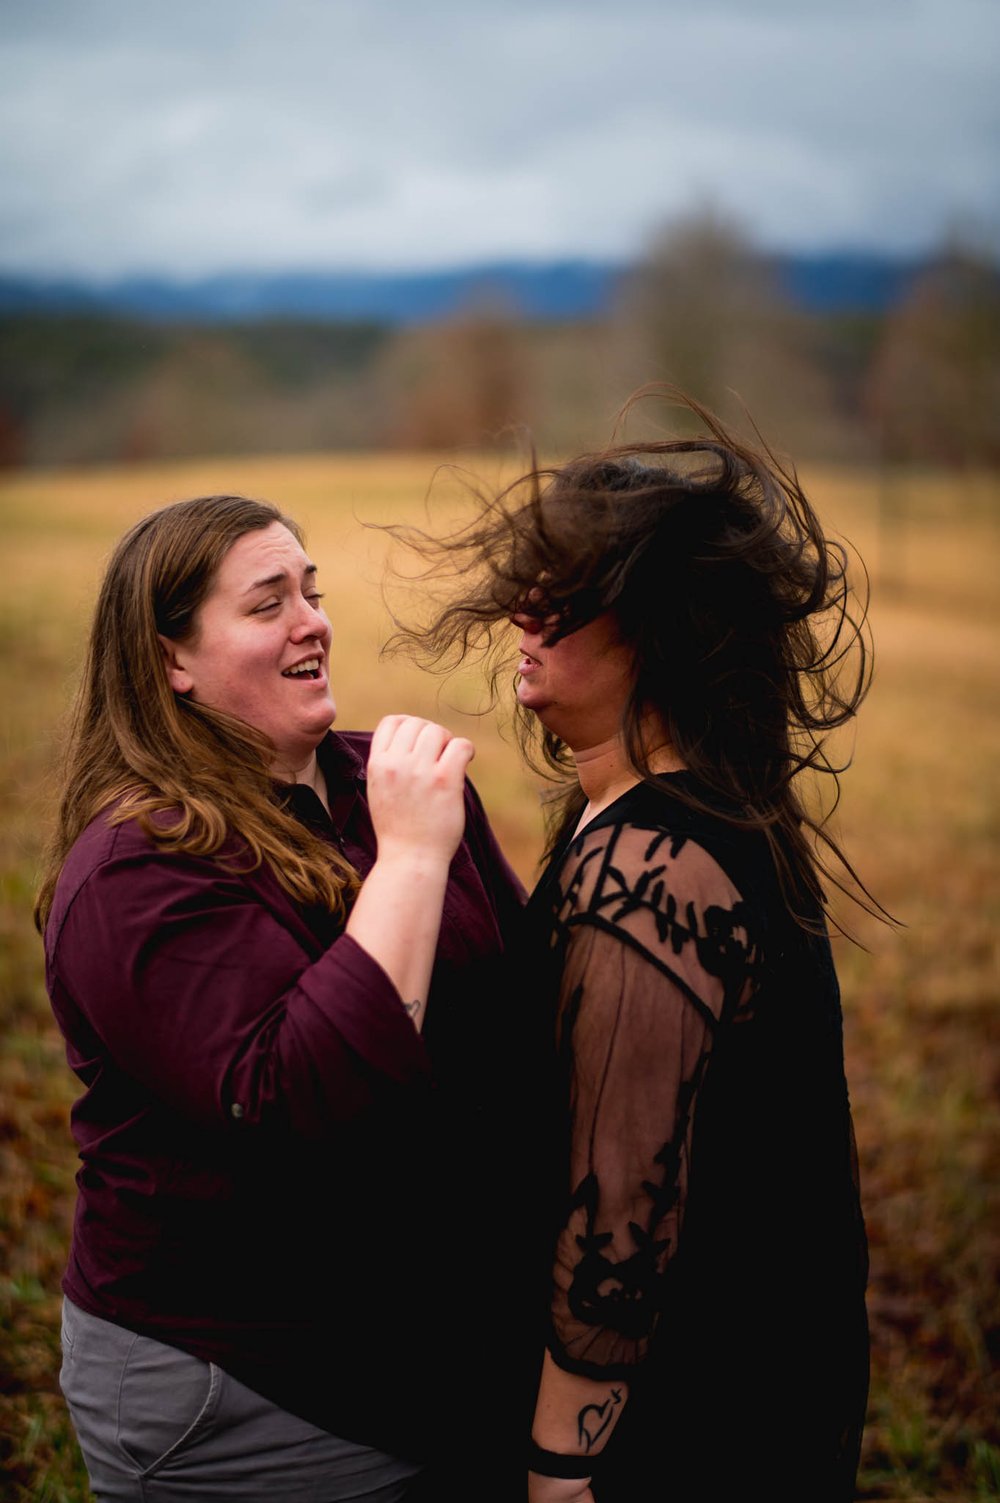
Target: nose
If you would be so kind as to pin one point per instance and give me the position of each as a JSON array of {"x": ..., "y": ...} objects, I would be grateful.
[
  {"x": 311, "y": 621},
  {"x": 528, "y": 623}
]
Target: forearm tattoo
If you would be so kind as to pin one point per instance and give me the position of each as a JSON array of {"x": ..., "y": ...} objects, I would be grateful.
[{"x": 594, "y": 1419}]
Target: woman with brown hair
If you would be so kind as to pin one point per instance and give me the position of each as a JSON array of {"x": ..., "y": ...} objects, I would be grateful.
[
  {"x": 685, "y": 643},
  {"x": 248, "y": 921}
]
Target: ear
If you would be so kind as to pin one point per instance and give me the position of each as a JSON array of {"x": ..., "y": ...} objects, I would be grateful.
[{"x": 178, "y": 676}]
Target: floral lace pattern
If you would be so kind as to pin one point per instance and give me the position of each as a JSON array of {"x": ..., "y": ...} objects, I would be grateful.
[{"x": 657, "y": 951}]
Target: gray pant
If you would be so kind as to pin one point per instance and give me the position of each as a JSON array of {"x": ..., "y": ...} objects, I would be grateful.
[{"x": 156, "y": 1425}]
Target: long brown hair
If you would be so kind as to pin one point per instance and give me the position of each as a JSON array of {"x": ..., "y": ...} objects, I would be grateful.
[
  {"x": 192, "y": 776},
  {"x": 748, "y": 646}
]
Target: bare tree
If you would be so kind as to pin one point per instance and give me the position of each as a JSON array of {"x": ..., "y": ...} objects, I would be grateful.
[
  {"x": 457, "y": 383},
  {"x": 705, "y": 309},
  {"x": 934, "y": 389}
]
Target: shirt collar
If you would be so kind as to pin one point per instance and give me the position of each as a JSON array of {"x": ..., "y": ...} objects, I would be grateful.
[
  {"x": 338, "y": 759},
  {"x": 339, "y": 762}
]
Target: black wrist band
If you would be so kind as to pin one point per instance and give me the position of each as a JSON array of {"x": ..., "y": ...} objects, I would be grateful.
[{"x": 553, "y": 1464}]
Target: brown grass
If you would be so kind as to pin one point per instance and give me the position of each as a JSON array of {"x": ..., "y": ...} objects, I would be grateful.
[{"x": 920, "y": 816}]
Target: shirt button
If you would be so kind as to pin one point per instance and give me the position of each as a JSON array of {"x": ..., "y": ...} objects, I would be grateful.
[{"x": 236, "y": 1110}]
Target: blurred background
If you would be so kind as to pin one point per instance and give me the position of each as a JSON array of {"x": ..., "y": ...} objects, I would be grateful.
[{"x": 357, "y": 257}]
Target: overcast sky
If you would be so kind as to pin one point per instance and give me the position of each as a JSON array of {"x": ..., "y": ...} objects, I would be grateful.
[{"x": 188, "y": 136}]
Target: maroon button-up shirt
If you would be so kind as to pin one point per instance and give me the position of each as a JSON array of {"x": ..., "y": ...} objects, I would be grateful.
[{"x": 275, "y": 1165}]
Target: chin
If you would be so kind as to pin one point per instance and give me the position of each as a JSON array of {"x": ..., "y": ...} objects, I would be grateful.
[
  {"x": 309, "y": 735},
  {"x": 527, "y": 699},
  {"x": 320, "y": 730},
  {"x": 322, "y": 718}
]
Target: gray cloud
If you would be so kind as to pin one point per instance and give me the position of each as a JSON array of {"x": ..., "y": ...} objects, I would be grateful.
[{"x": 247, "y": 133}]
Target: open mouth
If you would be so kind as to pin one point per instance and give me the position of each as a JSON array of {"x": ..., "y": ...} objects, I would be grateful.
[{"x": 309, "y": 669}]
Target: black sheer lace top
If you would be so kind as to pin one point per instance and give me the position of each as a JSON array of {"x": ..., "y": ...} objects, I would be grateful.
[{"x": 706, "y": 1212}]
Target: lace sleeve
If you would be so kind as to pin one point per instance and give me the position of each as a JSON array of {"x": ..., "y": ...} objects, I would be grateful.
[{"x": 658, "y": 952}]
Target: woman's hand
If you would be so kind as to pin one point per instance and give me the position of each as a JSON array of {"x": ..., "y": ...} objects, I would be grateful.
[
  {"x": 416, "y": 794},
  {"x": 558, "y": 1489},
  {"x": 416, "y": 788}
]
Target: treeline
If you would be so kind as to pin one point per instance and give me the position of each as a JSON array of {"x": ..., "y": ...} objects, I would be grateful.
[{"x": 705, "y": 309}]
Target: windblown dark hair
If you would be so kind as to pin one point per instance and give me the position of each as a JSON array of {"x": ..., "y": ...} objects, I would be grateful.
[
  {"x": 193, "y": 777},
  {"x": 748, "y": 645}
]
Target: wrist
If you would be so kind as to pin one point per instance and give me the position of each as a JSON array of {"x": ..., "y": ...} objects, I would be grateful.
[
  {"x": 420, "y": 862},
  {"x": 557, "y": 1463}
]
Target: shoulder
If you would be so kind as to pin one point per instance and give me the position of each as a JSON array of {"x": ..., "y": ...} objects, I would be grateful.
[
  {"x": 651, "y": 878},
  {"x": 120, "y": 867},
  {"x": 104, "y": 839},
  {"x": 651, "y": 840},
  {"x": 94, "y": 848}
]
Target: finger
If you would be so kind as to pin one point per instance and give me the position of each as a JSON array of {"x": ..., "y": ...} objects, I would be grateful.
[
  {"x": 432, "y": 739},
  {"x": 385, "y": 731},
  {"x": 457, "y": 755},
  {"x": 407, "y": 732},
  {"x": 397, "y": 733}
]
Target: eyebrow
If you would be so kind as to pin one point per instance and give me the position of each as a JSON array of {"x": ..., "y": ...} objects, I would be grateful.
[{"x": 274, "y": 579}]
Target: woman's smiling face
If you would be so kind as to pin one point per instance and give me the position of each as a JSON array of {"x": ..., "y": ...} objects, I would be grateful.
[{"x": 260, "y": 646}]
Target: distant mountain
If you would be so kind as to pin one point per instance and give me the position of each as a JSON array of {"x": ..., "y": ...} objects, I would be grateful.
[
  {"x": 558, "y": 290},
  {"x": 846, "y": 282}
]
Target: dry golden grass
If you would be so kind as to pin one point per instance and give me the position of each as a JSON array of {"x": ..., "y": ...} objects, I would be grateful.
[{"x": 919, "y": 815}]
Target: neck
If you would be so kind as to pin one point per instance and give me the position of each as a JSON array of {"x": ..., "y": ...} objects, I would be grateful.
[
  {"x": 605, "y": 771},
  {"x": 307, "y": 772}
]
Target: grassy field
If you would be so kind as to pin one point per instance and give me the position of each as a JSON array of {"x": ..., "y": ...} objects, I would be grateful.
[{"x": 919, "y": 814}]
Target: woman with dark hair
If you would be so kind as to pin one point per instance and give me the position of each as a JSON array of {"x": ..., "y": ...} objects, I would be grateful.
[
  {"x": 248, "y": 919},
  {"x": 684, "y": 646}
]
